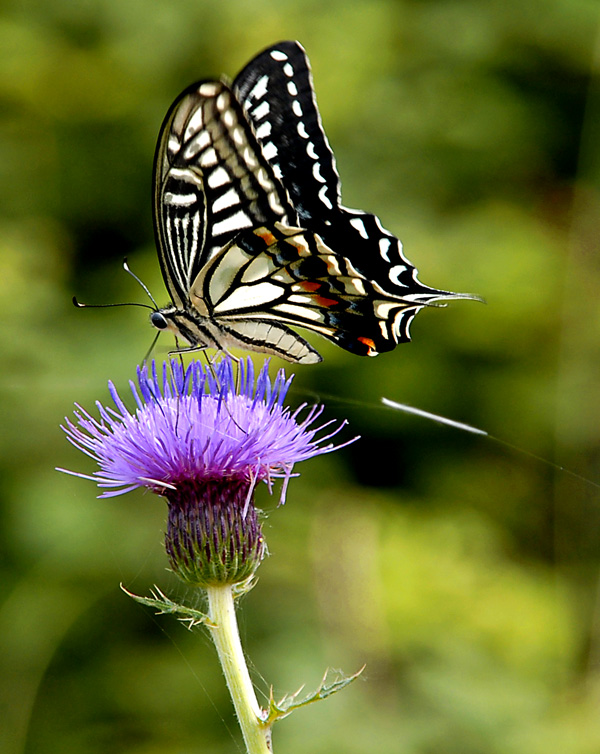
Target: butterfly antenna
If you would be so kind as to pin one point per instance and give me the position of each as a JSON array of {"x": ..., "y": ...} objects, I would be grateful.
[
  {"x": 143, "y": 285},
  {"x": 81, "y": 305}
]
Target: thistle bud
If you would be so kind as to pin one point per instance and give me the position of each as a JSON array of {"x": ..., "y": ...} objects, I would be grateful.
[{"x": 213, "y": 533}]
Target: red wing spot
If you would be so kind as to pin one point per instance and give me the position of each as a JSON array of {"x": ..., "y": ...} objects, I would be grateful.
[
  {"x": 322, "y": 301},
  {"x": 310, "y": 287},
  {"x": 266, "y": 236},
  {"x": 368, "y": 342}
]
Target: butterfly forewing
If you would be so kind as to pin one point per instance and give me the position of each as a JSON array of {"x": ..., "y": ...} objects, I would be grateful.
[
  {"x": 211, "y": 181},
  {"x": 276, "y": 92}
]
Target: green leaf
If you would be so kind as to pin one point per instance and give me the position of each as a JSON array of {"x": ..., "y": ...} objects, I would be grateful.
[
  {"x": 289, "y": 703},
  {"x": 165, "y": 606}
]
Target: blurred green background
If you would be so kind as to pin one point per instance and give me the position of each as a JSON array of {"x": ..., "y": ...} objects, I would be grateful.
[{"x": 462, "y": 571}]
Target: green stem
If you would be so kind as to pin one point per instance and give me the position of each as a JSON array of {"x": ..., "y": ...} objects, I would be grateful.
[{"x": 257, "y": 735}]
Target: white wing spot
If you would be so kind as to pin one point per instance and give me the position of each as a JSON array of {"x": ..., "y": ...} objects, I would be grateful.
[
  {"x": 301, "y": 312},
  {"x": 324, "y": 198},
  {"x": 195, "y": 123},
  {"x": 263, "y": 130},
  {"x": 292, "y": 89},
  {"x": 383, "y": 309},
  {"x": 384, "y": 247},
  {"x": 278, "y": 55},
  {"x": 395, "y": 272},
  {"x": 269, "y": 151},
  {"x": 197, "y": 144},
  {"x": 179, "y": 200},
  {"x": 249, "y": 296},
  {"x": 360, "y": 226},
  {"x": 208, "y": 158},
  {"x": 195, "y": 228},
  {"x": 301, "y": 128},
  {"x": 226, "y": 201},
  {"x": 259, "y": 89},
  {"x": 232, "y": 223},
  {"x": 218, "y": 177},
  {"x": 288, "y": 69},
  {"x": 186, "y": 175},
  {"x": 262, "y": 110},
  {"x": 300, "y": 244},
  {"x": 310, "y": 151},
  {"x": 318, "y": 177},
  {"x": 296, "y": 108}
]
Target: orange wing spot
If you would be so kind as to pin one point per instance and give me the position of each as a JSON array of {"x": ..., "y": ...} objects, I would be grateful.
[
  {"x": 309, "y": 286},
  {"x": 299, "y": 248},
  {"x": 266, "y": 236},
  {"x": 368, "y": 342},
  {"x": 322, "y": 301}
]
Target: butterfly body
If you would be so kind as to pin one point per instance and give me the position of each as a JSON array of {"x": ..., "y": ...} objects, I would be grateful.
[{"x": 252, "y": 237}]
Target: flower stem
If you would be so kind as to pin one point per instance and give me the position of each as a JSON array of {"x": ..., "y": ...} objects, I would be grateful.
[{"x": 226, "y": 637}]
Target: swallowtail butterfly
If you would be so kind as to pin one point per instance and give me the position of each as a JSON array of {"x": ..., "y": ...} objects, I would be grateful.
[{"x": 251, "y": 233}]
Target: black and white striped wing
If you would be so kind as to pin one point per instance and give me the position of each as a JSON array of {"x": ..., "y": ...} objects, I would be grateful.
[
  {"x": 272, "y": 277},
  {"x": 276, "y": 92},
  {"x": 211, "y": 181},
  {"x": 251, "y": 233}
]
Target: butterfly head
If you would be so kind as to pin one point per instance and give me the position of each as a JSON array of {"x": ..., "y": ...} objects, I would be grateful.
[{"x": 188, "y": 326}]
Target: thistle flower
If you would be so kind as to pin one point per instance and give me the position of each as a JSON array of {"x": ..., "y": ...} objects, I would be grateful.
[{"x": 203, "y": 444}]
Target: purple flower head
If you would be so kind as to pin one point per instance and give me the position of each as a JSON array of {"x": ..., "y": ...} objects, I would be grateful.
[{"x": 203, "y": 444}]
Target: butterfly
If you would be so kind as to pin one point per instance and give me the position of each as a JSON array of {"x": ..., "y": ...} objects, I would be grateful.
[{"x": 251, "y": 234}]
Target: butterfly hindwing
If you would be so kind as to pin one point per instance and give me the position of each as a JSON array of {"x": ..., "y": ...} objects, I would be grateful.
[{"x": 286, "y": 275}]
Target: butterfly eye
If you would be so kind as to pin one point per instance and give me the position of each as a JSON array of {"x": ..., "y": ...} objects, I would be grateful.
[{"x": 159, "y": 321}]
